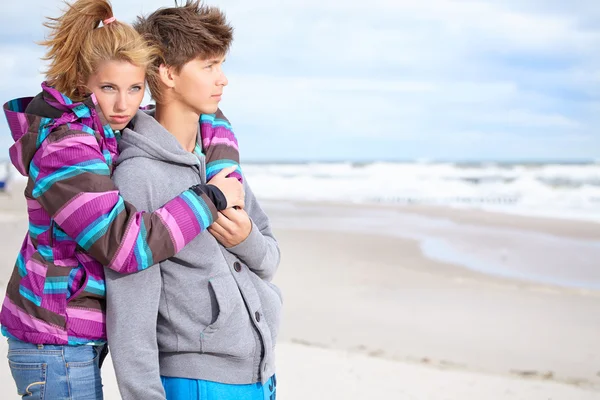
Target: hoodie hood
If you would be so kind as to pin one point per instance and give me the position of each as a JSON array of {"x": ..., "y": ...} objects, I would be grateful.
[
  {"x": 31, "y": 119},
  {"x": 154, "y": 142}
]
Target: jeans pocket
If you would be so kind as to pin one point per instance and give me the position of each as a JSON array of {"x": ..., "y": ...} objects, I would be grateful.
[
  {"x": 85, "y": 382},
  {"x": 30, "y": 379}
]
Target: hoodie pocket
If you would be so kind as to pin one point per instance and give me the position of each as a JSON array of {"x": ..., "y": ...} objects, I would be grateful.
[
  {"x": 231, "y": 332},
  {"x": 271, "y": 302}
]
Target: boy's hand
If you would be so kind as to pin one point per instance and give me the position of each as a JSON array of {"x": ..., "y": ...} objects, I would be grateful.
[{"x": 232, "y": 227}]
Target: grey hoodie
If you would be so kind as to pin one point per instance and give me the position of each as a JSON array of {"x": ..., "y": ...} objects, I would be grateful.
[{"x": 207, "y": 313}]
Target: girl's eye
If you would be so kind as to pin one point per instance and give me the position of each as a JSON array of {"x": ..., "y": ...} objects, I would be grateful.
[
  {"x": 106, "y": 88},
  {"x": 136, "y": 88}
]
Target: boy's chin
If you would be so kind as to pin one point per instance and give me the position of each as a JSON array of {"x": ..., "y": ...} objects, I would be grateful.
[{"x": 209, "y": 109}]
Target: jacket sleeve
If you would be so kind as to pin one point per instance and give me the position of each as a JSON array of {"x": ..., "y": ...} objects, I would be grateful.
[
  {"x": 259, "y": 250},
  {"x": 72, "y": 183}
]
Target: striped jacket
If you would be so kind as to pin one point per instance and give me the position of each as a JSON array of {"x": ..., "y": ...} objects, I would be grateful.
[{"x": 78, "y": 222}]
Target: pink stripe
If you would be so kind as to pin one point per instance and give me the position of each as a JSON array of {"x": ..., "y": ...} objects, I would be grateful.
[
  {"x": 91, "y": 315},
  {"x": 23, "y": 122},
  {"x": 77, "y": 202},
  {"x": 33, "y": 204},
  {"x": 132, "y": 232},
  {"x": 226, "y": 141},
  {"x": 16, "y": 156},
  {"x": 66, "y": 262},
  {"x": 35, "y": 323},
  {"x": 48, "y": 148},
  {"x": 36, "y": 267},
  {"x": 171, "y": 224}
]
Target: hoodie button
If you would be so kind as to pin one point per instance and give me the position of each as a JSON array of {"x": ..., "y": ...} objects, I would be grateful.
[
  {"x": 237, "y": 266},
  {"x": 257, "y": 316}
]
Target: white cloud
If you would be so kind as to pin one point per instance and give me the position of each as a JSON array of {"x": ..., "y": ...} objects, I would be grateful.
[{"x": 400, "y": 70}]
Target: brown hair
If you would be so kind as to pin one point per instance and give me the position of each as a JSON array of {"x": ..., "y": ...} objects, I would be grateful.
[
  {"x": 184, "y": 33},
  {"x": 76, "y": 45}
]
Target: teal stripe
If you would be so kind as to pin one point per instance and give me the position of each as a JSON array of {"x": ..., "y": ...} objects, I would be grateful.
[
  {"x": 92, "y": 166},
  {"x": 215, "y": 121},
  {"x": 201, "y": 210},
  {"x": 56, "y": 284},
  {"x": 6, "y": 333},
  {"x": 99, "y": 227},
  {"x": 96, "y": 287},
  {"x": 46, "y": 252},
  {"x": 34, "y": 171},
  {"x": 215, "y": 166},
  {"x": 72, "y": 275},
  {"x": 108, "y": 132},
  {"x": 15, "y": 105},
  {"x": 142, "y": 251},
  {"x": 43, "y": 131},
  {"x": 207, "y": 117},
  {"x": 87, "y": 129},
  {"x": 77, "y": 341},
  {"x": 21, "y": 265},
  {"x": 96, "y": 291},
  {"x": 82, "y": 111},
  {"x": 107, "y": 157},
  {"x": 28, "y": 294},
  {"x": 60, "y": 236},
  {"x": 36, "y": 230},
  {"x": 67, "y": 100},
  {"x": 198, "y": 150}
]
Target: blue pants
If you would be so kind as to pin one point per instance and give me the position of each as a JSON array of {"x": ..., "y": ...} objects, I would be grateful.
[
  {"x": 55, "y": 372},
  {"x": 192, "y": 389}
]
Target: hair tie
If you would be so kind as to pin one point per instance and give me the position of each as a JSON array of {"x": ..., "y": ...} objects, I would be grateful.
[{"x": 109, "y": 20}]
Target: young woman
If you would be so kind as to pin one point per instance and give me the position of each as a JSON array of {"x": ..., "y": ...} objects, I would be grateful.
[{"x": 66, "y": 143}]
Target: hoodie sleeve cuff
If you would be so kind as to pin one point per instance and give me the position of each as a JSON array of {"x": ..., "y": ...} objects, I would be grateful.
[{"x": 252, "y": 250}]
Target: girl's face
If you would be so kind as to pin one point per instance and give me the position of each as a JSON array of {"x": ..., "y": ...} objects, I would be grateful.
[{"x": 119, "y": 88}]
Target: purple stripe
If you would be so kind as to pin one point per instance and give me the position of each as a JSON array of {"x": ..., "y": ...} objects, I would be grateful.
[
  {"x": 86, "y": 329},
  {"x": 18, "y": 125},
  {"x": 69, "y": 143},
  {"x": 55, "y": 303},
  {"x": 22, "y": 318},
  {"x": 185, "y": 220},
  {"x": 85, "y": 208}
]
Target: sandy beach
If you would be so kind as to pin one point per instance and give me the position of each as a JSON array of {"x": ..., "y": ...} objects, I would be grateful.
[{"x": 419, "y": 303}]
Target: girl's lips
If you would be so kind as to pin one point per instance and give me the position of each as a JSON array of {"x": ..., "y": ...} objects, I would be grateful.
[{"x": 119, "y": 118}]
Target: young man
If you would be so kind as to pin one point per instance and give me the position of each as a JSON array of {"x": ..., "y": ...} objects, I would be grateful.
[{"x": 205, "y": 322}]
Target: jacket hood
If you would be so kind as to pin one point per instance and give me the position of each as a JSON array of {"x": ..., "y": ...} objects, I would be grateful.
[
  {"x": 145, "y": 137},
  {"x": 31, "y": 119}
]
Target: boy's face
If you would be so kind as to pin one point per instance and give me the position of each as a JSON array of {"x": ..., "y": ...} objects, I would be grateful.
[{"x": 199, "y": 85}]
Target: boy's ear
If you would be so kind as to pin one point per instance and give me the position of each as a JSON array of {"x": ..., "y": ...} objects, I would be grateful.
[{"x": 166, "y": 75}]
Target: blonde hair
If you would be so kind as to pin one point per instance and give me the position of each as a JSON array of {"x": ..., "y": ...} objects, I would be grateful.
[{"x": 77, "y": 45}]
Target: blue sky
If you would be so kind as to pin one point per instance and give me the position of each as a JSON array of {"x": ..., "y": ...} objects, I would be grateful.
[{"x": 384, "y": 80}]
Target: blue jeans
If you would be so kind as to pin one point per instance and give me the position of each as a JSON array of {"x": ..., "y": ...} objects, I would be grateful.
[
  {"x": 55, "y": 372},
  {"x": 193, "y": 389}
]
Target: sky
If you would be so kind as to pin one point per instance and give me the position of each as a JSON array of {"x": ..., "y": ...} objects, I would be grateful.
[{"x": 335, "y": 80}]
